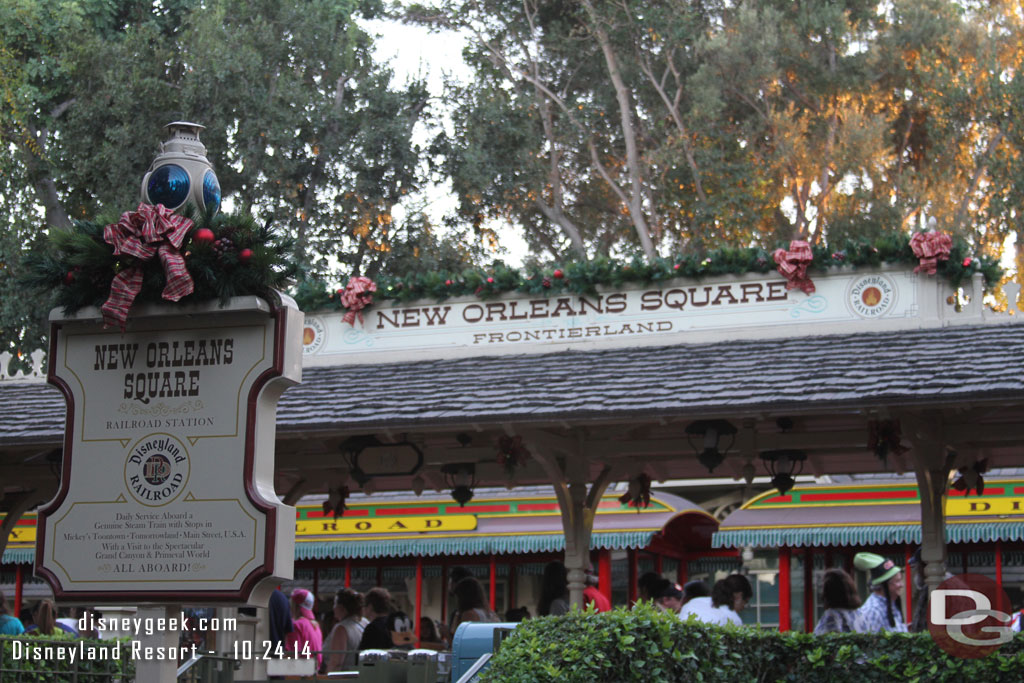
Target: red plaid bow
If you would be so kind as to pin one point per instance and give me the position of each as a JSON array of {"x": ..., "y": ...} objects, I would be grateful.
[
  {"x": 930, "y": 247},
  {"x": 358, "y": 295},
  {"x": 793, "y": 265},
  {"x": 144, "y": 233}
]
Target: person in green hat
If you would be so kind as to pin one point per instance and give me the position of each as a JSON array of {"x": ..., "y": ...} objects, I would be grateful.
[{"x": 881, "y": 611}]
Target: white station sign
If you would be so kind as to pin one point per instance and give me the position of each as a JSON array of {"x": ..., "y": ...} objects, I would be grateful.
[
  {"x": 167, "y": 487},
  {"x": 671, "y": 312}
]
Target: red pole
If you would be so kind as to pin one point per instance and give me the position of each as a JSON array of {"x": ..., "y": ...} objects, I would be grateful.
[
  {"x": 632, "y": 574},
  {"x": 604, "y": 572},
  {"x": 19, "y": 580},
  {"x": 682, "y": 570},
  {"x": 512, "y": 584},
  {"x": 784, "y": 597},
  {"x": 657, "y": 564},
  {"x": 444, "y": 594},
  {"x": 808, "y": 590},
  {"x": 348, "y": 573},
  {"x": 419, "y": 596},
  {"x": 999, "y": 564},
  {"x": 908, "y": 580},
  {"x": 494, "y": 579}
]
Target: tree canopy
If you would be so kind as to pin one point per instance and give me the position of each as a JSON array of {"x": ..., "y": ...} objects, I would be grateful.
[
  {"x": 668, "y": 124},
  {"x": 302, "y": 125},
  {"x": 594, "y": 128}
]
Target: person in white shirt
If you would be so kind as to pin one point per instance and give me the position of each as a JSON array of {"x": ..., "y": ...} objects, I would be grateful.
[{"x": 728, "y": 597}]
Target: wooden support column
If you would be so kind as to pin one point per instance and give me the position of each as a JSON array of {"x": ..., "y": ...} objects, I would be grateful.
[
  {"x": 657, "y": 564},
  {"x": 577, "y": 504},
  {"x": 931, "y": 467},
  {"x": 348, "y": 573},
  {"x": 785, "y": 599}
]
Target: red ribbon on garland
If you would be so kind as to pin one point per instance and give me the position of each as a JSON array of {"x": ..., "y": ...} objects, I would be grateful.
[
  {"x": 793, "y": 265},
  {"x": 930, "y": 247},
  {"x": 358, "y": 295},
  {"x": 144, "y": 233}
]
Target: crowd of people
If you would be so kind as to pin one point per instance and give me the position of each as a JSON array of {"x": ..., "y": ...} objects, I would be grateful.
[
  {"x": 371, "y": 620},
  {"x": 844, "y": 611},
  {"x": 42, "y": 618}
]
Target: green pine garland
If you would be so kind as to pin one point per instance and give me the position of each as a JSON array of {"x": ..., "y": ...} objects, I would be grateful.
[
  {"x": 583, "y": 277},
  {"x": 77, "y": 269}
]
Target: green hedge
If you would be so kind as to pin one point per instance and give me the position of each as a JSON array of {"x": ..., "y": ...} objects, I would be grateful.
[
  {"x": 27, "y": 667},
  {"x": 648, "y": 645}
]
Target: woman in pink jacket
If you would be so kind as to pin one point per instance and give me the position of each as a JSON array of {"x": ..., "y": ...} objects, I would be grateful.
[{"x": 305, "y": 635}]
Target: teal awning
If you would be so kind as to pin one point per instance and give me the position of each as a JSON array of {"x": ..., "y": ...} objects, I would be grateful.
[
  {"x": 19, "y": 556},
  {"x": 432, "y": 547},
  {"x": 879, "y": 513},
  {"x": 897, "y": 534}
]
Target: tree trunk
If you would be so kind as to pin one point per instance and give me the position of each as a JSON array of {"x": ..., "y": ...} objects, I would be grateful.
[{"x": 635, "y": 201}]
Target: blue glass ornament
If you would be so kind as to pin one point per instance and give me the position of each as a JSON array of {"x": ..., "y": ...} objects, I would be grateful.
[
  {"x": 211, "y": 192},
  {"x": 168, "y": 185}
]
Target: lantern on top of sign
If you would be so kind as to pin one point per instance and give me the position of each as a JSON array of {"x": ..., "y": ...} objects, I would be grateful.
[{"x": 181, "y": 174}]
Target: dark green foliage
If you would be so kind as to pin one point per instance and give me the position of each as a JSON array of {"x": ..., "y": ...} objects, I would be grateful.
[
  {"x": 648, "y": 645},
  {"x": 77, "y": 269},
  {"x": 584, "y": 277}
]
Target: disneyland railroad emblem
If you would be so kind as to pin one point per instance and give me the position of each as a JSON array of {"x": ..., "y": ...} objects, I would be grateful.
[
  {"x": 157, "y": 469},
  {"x": 314, "y": 335},
  {"x": 871, "y": 296},
  {"x": 969, "y": 616}
]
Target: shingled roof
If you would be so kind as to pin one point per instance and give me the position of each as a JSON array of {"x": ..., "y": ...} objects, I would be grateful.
[{"x": 917, "y": 367}]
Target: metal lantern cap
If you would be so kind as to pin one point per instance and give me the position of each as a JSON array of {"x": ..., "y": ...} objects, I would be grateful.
[{"x": 181, "y": 174}]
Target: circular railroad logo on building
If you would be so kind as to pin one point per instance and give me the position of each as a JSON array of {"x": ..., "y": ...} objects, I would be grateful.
[
  {"x": 314, "y": 335},
  {"x": 871, "y": 296},
  {"x": 157, "y": 469}
]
